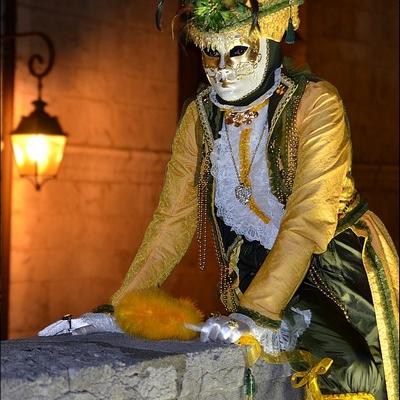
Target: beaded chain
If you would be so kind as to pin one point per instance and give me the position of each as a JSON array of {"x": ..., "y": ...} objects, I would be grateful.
[
  {"x": 292, "y": 142},
  {"x": 202, "y": 194},
  {"x": 322, "y": 287},
  {"x": 225, "y": 282},
  {"x": 202, "y": 200},
  {"x": 292, "y": 145},
  {"x": 201, "y": 236}
]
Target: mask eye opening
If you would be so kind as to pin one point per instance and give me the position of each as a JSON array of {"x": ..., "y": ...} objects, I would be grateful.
[
  {"x": 211, "y": 52},
  {"x": 238, "y": 51}
]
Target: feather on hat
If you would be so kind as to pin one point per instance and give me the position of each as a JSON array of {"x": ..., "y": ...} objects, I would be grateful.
[{"x": 210, "y": 21}]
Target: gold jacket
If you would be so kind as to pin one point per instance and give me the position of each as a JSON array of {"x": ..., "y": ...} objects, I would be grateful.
[
  {"x": 323, "y": 190},
  {"x": 321, "y": 196}
]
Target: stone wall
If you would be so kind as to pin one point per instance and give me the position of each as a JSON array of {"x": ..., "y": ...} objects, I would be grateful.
[
  {"x": 114, "y": 87},
  {"x": 117, "y": 367}
]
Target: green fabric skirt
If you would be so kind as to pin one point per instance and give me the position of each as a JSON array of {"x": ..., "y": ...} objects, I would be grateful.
[{"x": 343, "y": 325}]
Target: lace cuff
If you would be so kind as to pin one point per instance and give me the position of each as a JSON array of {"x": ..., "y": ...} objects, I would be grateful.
[{"x": 277, "y": 340}]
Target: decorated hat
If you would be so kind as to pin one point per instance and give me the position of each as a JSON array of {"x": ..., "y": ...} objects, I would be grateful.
[{"x": 211, "y": 21}]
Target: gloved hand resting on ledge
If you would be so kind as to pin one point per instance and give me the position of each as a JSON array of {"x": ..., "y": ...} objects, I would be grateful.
[
  {"x": 229, "y": 329},
  {"x": 87, "y": 323}
]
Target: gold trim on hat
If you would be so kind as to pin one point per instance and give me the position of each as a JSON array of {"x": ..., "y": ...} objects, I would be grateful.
[{"x": 272, "y": 26}]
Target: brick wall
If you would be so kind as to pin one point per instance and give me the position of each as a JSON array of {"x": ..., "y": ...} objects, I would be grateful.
[
  {"x": 354, "y": 45},
  {"x": 114, "y": 88}
]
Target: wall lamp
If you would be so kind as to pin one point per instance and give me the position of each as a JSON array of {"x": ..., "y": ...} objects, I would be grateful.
[{"x": 38, "y": 142}]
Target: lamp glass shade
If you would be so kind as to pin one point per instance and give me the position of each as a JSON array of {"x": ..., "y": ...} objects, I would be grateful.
[{"x": 38, "y": 154}]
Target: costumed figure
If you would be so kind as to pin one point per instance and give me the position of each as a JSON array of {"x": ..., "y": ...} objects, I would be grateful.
[{"x": 264, "y": 154}]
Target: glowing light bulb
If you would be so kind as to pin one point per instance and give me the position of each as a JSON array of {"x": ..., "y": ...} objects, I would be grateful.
[
  {"x": 37, "y": 149},
  {"x": 38, "y": 154}
]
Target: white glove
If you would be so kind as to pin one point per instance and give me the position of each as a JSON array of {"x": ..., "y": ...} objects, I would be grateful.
[
  {"x": 86, "y": 323},
  {"x": 223, "y": 329},
  {"x": 268, "y": 338},
  {"x": 230, "y": 329}
]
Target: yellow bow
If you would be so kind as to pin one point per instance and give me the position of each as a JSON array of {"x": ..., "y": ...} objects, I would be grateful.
[
  {"x": 255, "y": 352},
  {"x": 309, "y": 378}
]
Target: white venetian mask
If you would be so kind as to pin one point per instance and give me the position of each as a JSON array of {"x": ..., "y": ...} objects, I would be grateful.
[{"x": 236, "y": 69}]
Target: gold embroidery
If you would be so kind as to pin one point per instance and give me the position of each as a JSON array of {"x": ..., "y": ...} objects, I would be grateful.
[
  {"x": 292, "y": 145},
  {"x": 274, "y": 150},
  {"x": 234, "y": 252},
  {"x": 272, "y": 26},
  {"x": 383, "y": 267},
  {"x": 291, "y": 88}
]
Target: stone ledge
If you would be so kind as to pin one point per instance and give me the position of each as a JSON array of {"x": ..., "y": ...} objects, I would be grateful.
[{"x": 116, "y": 366}]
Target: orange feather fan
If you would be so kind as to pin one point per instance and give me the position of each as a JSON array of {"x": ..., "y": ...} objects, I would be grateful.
[{"x": 154, "y": 314}]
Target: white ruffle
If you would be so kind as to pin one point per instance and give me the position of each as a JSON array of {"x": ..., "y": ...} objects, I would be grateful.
[
  {"x": 290, "y": 332},
  {"x": 236, "y": 215},
  {"x": 283, "y": 339}
]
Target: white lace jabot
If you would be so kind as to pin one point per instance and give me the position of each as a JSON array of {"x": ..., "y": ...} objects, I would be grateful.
[{"x": 235, "y": 214}]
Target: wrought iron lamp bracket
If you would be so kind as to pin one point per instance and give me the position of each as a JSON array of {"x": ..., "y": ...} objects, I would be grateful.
[{"x": 36, "y": 60}]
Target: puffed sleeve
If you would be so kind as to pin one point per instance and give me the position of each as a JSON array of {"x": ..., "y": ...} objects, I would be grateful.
[
  {"x": 171, "y": 230},
  {"x": 310, "y": 218}
]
